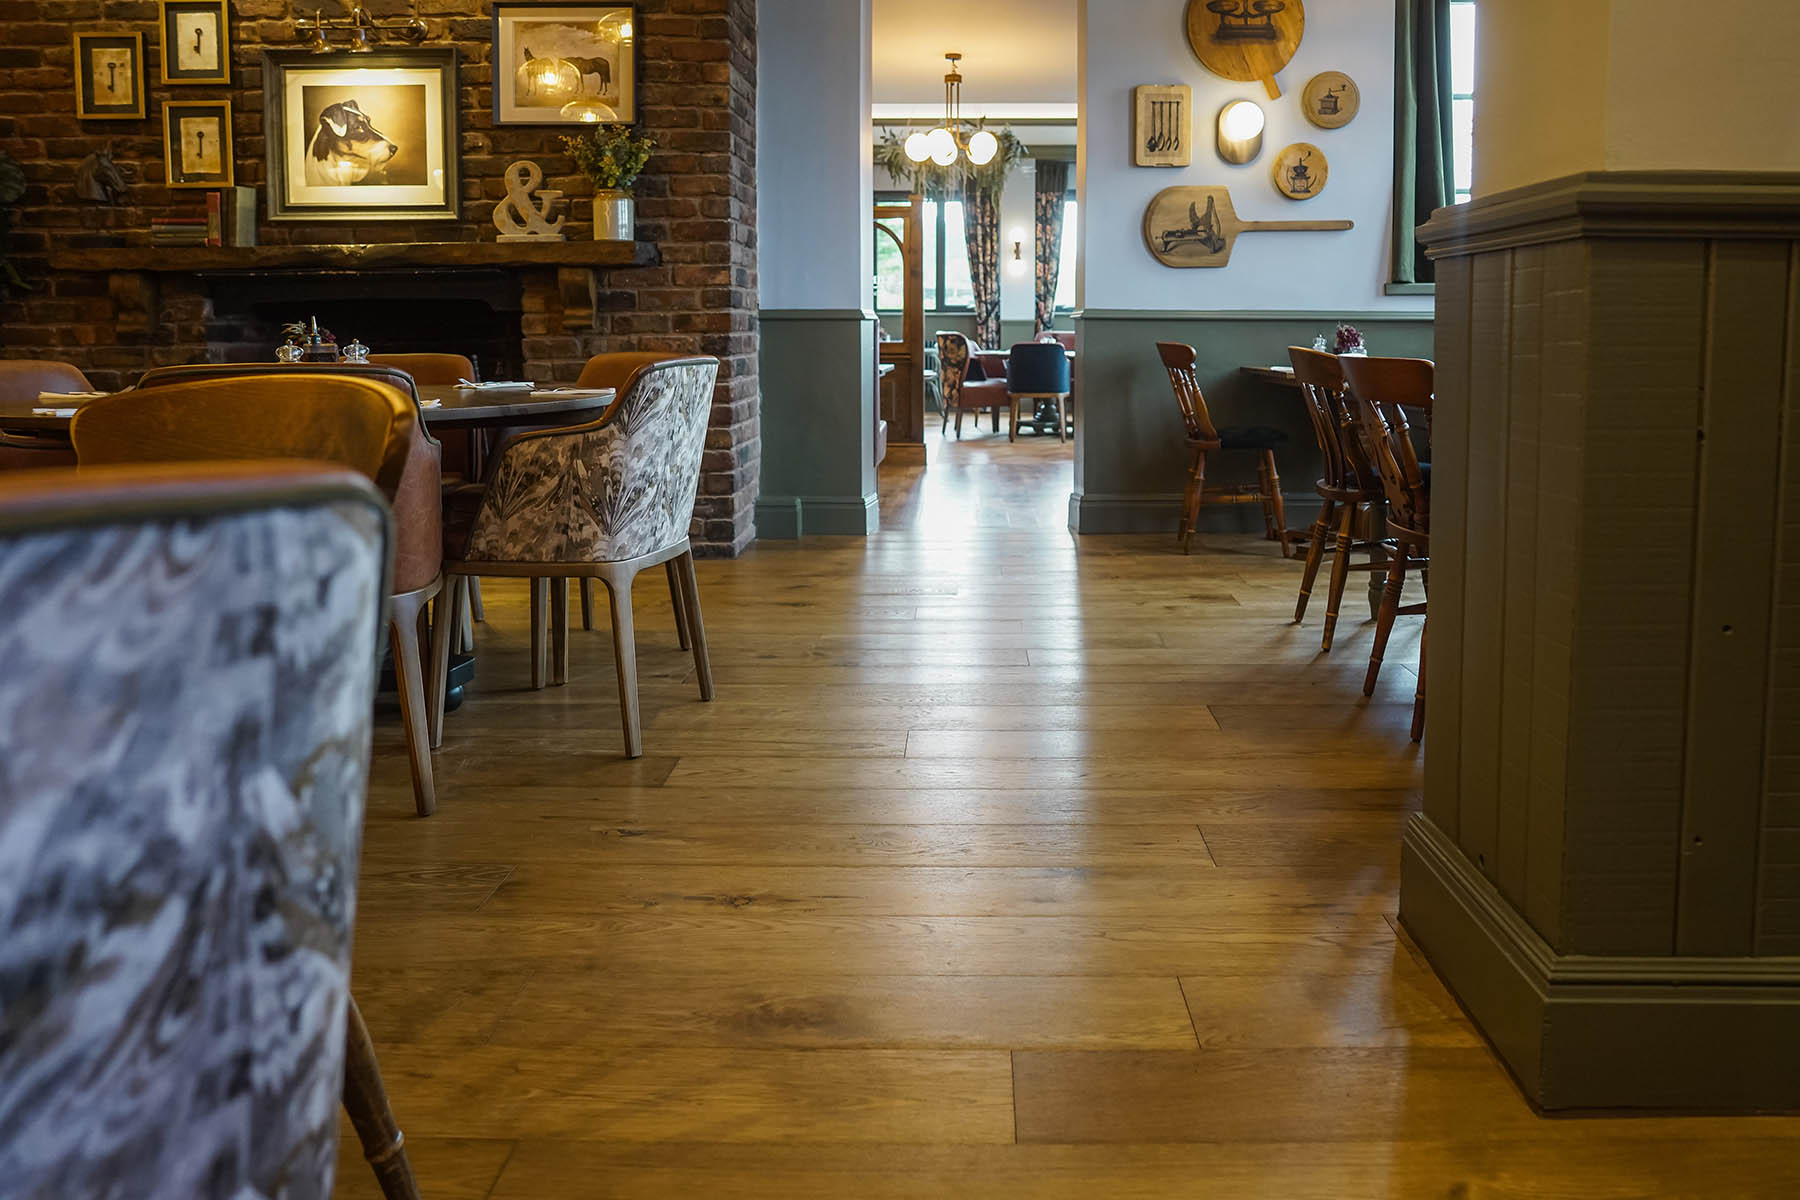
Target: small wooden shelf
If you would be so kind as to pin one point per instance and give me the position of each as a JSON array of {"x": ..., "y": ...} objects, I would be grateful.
[{"x": 195, "y": 260}]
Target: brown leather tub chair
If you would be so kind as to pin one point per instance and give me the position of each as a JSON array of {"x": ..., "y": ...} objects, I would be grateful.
[
  {"x": 21, "y": 379},
  {"x": 193, "y": 790},
  {"x": 365, "y": 419}
]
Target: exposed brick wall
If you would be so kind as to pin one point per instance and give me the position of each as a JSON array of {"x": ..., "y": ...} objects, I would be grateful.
[{"x": 696, "y": 202}]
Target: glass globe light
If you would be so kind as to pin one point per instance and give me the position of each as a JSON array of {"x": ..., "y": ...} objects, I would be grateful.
[
  {"x": 982, "y": 148},
  {"x": 615, "y": 27},
  {"x": 942, "y": 143},
  {"x": 918, "y": 146},
  {"x": 1241, "y": 121},
  {"x": 588, "y": 111},
  {"x": 547, "y": 81}
]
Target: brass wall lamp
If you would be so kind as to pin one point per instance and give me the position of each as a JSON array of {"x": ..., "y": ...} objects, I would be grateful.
[
  {"x": 1240, "y": 131},
  {"x": 361, "y": 30}
]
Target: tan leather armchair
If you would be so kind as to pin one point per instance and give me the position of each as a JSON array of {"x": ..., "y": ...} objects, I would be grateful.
[{"x": 366, "y": 419}]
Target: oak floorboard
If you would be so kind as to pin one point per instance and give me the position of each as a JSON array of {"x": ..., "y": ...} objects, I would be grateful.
[{"x": 1005, "y": 862}]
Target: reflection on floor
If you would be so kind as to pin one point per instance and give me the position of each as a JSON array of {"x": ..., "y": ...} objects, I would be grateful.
[{"x": 1004, "y": 864}]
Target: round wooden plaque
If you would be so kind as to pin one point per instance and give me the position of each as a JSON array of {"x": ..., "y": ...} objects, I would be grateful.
[
  {"x": 1245, "y": 40},
  {"x": 1301, "y": 171},
  {"x": 1330, "y": 100}
]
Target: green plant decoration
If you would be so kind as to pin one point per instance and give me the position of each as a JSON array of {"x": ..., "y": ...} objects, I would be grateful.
[
  {"x": 12, "y": 190},
  {"x": 929, "y": 179},
  {"x": 612, "y": 156}
]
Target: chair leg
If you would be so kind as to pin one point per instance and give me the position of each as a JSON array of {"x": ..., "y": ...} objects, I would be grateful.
[
  {"x": 675, "y": 603},
  {"x": 1340, "y": 573},
  {"x": 1012, "y": 430},
  {"x": 1315, "y": 550},
  {"x": 1418, "y": 716},
  {"x": 1190, "y": 503},
  {"x": 944, "y": 427},
  {"x": 618, "y": 592},
  {"x": 540, "y": 646},
  {"x": 690, "y": 596},
  {"x": 959, "y": 424},
  {"x": 1277, "y": 504},
  {"x": 1062, "y": 421},
  {"x": 446, "y": 624},
  {"x": 559, "y": 632},
  {"x": 1384, "y": 618},
  {"x": 587, "y": 603},
  {"x": 409, "y": 677},
  {"x": 475, "y": 607},
  {"x": 366, "y": 1104}
]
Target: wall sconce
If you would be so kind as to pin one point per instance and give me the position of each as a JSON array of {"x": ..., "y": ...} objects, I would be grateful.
[
  {"x": 361, "y": 30},
  {"x": 1240, "y": 131},
  {"x": 1016, "y": 264}
]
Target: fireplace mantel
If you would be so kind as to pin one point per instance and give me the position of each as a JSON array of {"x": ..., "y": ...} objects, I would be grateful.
[{"x": 205, "y": 260}]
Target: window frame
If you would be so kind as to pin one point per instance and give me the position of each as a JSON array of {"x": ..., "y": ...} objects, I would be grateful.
[
  {"x": 934, "y": 299},
  {"x": 1463, "y": 195}
]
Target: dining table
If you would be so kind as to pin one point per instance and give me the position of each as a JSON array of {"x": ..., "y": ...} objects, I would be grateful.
[{"x": 443, "y": 407}]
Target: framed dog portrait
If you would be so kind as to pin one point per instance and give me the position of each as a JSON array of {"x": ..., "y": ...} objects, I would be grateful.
[
  {"x": 564, "y": 64},
  {"x": 109, "y": 76},
  {"x": 197, "y": 143},
  {"x": 361, "y": 137},
  {"x": 196, "y": 41}
]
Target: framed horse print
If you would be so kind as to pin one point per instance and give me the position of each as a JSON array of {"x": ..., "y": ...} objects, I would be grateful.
[
  {"x": 196, "y": 41},
  {"x": 564, "y": 64},
  {"x": 109, "y": 76}
]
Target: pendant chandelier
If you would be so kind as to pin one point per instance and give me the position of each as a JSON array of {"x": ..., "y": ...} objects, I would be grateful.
[{"x": 943, "y": 144}]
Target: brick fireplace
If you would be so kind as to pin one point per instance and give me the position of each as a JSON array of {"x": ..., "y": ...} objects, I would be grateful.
[{"x": 115, "y": 308}]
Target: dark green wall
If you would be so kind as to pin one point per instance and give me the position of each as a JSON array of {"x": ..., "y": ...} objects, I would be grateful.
[{"x": 818, "y": 472}]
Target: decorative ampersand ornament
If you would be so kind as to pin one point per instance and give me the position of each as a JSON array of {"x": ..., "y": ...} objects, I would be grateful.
[{"x": 522, "y": 179}]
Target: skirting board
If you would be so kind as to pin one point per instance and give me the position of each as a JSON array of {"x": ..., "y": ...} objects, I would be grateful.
[
  {"x": 1585, "y": 1032},
  {"x": 789, "y": 517}
]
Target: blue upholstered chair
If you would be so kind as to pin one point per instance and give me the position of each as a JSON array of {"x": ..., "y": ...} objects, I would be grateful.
[
  {"x": 1038, "y": 371},
  {"x": 184, "y": 753}
]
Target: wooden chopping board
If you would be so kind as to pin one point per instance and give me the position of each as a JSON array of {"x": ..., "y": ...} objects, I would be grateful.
[
  {"x": 1197, "y": 226},
  {"x": 1246, "y": 40}
]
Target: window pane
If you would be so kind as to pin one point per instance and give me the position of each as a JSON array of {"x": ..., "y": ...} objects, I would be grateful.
[
  {"x": 929, "y": 219},
  {"x": 959, "y": 292},
  {"x": 1462, "y": 132},
  {"x": 1462, "y": 48},
  {"x": 890, "y": 269},
  {"x": 1065, "y": 271}
]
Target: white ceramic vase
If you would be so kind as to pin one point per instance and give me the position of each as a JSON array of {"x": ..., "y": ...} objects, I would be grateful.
[{"x": 614, "y": 220}]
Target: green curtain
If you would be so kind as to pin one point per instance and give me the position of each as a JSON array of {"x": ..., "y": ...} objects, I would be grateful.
[{"x": 1424, "y": 164}]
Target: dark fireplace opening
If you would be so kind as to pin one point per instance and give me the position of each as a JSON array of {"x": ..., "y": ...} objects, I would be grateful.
[{"x": 475, "y": 313}]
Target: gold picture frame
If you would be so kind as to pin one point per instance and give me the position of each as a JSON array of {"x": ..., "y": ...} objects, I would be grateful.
[
  {"x": 197, "y": 144},
  {"x": 109, "y": 75},
  {"x": 196, "y": 41}
]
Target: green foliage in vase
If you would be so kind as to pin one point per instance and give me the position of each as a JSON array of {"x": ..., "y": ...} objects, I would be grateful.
[
  {"x": 612, "y": 156},
  {"x": 929, "y": 179}
]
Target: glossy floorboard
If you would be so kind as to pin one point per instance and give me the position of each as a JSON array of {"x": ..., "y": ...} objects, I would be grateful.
[{"x": 1002, "y": 865}]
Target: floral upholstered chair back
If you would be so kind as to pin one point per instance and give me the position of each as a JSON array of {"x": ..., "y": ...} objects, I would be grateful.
[
  {"x": 607, "y": 491},
  {"x": 955, "y": 355},
  {"x": 184, "y": 750}
]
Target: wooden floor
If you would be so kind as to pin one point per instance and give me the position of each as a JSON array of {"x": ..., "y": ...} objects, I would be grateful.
[{"x": 1002, "y": 865}]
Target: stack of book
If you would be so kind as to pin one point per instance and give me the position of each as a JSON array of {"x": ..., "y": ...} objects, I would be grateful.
[{"x": 178, "y": 231}]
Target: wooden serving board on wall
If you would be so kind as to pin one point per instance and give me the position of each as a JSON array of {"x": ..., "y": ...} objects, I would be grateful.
[
  {"x": 1246, "y": 40},
  {"x": 1197, "y": 226}
]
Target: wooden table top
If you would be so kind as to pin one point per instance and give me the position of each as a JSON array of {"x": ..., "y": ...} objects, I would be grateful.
[
  {"x": 455, "y": 408},
  {"x": 1280, "y": 376}
]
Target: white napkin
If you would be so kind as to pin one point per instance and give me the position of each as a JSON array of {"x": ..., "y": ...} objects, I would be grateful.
[
  {"x": 432, "y": 402},
  {"x": 498, "y": 385},
  {"x": 558, "y": 393},
  {"x": 53, "y": 412},
  {"x": 53, "y": 397}
]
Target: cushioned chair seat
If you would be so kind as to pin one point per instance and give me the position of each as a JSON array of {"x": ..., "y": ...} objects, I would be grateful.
[{"x": 1251, "y": 437}]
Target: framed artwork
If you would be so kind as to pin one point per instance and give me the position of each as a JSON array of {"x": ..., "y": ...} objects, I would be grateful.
[
  {"x": 361, "y": 137},
  {"x": 197, "y": 144},
  {"x": 196, "y": 41},
  {"x": 564, "y": 64},
  {"x": 1162, "y": 125},
  {"x": 109, "y": 76}
]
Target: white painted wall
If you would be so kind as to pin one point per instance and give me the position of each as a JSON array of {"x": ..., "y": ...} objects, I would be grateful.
[
  {"x": 1640, "y": 85},
  {"x": 814, "y": 226},
  {"x": 1145, "y": 41}
]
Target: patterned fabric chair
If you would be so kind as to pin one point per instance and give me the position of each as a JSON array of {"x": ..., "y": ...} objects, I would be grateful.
[
  {"x": 964, "y": 382},
  {"x": 365, "y": 418},
  {"x": 21, "y": 379},
  {"x": 604, "y": 500},
  {"x": 184, "y": 752}
]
